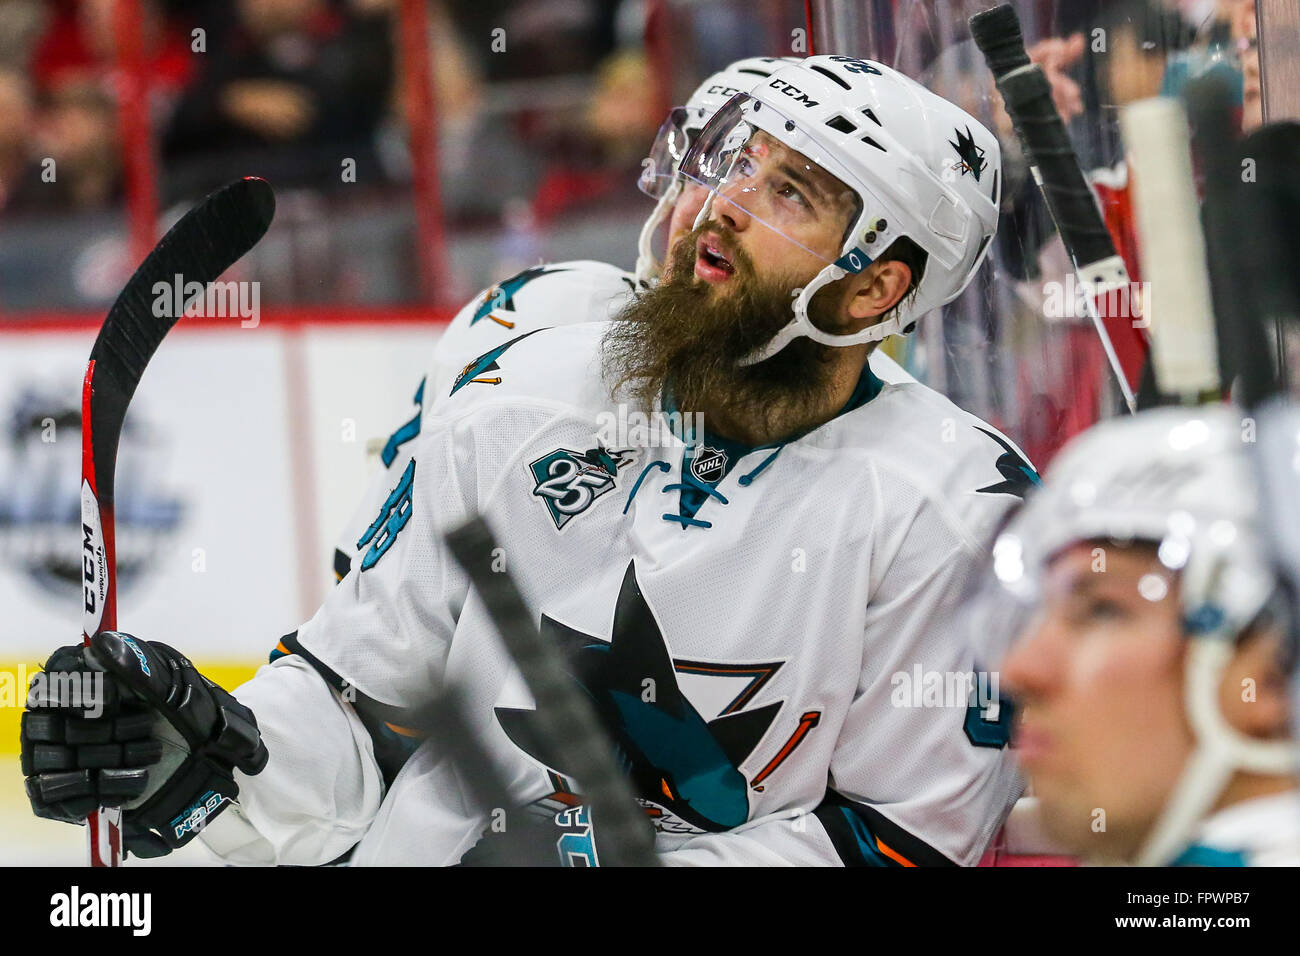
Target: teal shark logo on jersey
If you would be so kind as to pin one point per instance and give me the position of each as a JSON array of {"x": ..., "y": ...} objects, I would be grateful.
[
  {"x": 502, "y": 295},
  {"x": 972, "y": 157},
  {"x": 684, "y": 766},
  {"x": 477, "y": 370},
  {"x": 569, "y": 481},
  {"x": 1018, "y": 476}
]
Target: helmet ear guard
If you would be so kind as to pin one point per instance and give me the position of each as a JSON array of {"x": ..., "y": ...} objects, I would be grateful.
[
  {"x": 853, "y": 262},
  {"x": 1214, "y": 625},
  {"x": 1221, "y": 751}
]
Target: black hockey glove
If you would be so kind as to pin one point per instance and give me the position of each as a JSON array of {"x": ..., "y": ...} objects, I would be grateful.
[
  {"x": 131, "y": 724},
  {"x": 537, "y": 836}
]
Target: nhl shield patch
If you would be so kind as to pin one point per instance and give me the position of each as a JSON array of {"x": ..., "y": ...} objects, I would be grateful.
[
  {"x": 709, "y": 464},
  {"x": 569, "y": 481}
]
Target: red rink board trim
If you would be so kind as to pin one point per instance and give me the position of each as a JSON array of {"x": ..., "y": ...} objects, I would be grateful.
[{"x": 276, "y": 317}]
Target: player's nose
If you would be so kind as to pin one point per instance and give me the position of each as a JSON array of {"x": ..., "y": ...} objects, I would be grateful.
[
  {"x": 1031, "y": 666},
  {"x": 729, "y": 207}
]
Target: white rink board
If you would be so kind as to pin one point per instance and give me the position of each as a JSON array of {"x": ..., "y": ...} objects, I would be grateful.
[
  {"x": 243, "y": 426},
  {"x": 222, "y": 580}
]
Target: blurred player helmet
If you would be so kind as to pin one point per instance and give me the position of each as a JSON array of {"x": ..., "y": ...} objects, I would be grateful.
[
  {"x": 659, "y": 179},
  {"x": 1178, "y": 479},
  {"x": 918, "y": 165}
]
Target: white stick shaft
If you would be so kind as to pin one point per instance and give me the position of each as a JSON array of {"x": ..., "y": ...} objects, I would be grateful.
[{"x": 1179, "y": 307}]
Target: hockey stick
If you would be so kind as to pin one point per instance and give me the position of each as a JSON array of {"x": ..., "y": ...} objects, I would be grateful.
[
  {"x": 628, "y": 840},
  {"x": 1252, "y": 204},
  {"x": 1254, "y": 242},
  {"x": 1248, "y": 239},
  {"x": 1179, "y": 311},
  {"x": 1056, "y": 168},
  {"x": 200, "y": 247},
  {"x": 1184, "y": 357}
]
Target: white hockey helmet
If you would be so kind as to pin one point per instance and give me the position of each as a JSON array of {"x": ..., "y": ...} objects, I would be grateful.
[
  {"x": 1179, "y": 479},
  {"x": 659, "y": 179},
  {"x": 920, "y": 167}
]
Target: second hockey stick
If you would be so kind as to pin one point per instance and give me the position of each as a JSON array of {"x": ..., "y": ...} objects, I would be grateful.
[
  {"x": 629, "y": 840},
  {"x": 1028, "y": 98}
]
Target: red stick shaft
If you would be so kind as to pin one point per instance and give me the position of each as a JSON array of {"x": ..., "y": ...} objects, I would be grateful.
[{"x": 99, "y": 603}]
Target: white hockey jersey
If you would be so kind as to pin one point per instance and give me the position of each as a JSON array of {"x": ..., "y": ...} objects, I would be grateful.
[
  {"x": 773, "y": 639},
  {"x": 545, "y": 296},
  {"x": 1264, "y": 831}
]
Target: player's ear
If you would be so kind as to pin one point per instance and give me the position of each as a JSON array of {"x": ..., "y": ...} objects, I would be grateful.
[
  {"x": 1253, "y": 694},
  {"x": 876, "y": 291}
]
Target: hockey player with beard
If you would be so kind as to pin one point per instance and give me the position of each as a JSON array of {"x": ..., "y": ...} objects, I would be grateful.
[
  {"x": 1150, "y": 669},
  {"x": 569, "y": 293},
  {"x": 552, "y": 294},
  {"x": 741, "y": 601}
]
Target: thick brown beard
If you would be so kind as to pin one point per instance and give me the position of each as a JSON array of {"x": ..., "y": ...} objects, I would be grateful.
[{"x": 685, "y": 334}]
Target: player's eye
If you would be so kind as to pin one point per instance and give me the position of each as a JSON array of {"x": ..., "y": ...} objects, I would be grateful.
[
  {"x": 791, "y": 193},
  {"x": 1100, "y": 609}
]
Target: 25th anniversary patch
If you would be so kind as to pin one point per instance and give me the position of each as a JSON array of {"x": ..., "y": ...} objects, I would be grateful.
[{"x": 570, "y": 481}]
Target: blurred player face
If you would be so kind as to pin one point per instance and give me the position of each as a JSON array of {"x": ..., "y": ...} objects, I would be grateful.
[
  {"x": 1244, "y": 32},
  {"x": 1098, "y": 678},
  {"x": 15, "y": 112},
  {"x": 270, "y": 17}
]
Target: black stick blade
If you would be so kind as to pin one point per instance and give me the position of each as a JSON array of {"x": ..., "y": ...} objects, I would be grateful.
[
  {"x": 560, "y": 705},
  {"x": 203, "y": 244}
]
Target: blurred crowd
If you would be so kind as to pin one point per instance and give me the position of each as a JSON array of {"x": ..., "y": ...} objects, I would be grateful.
[
  {"x": 546, "y": 91},
  {"x": 544, "y": 107}
]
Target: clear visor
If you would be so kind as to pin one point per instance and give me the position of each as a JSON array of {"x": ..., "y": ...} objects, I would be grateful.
[
  {"x": 659, "y": 169},
  {"x": 759, "y": 160},
  {"x": 1089, "y": 585},
  {"x": 1004, "y": 600}
]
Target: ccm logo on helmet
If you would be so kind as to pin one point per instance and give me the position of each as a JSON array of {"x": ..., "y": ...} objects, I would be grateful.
[
  {"x": 796, "y": 94},
  {"x": 722, "y": 90}
]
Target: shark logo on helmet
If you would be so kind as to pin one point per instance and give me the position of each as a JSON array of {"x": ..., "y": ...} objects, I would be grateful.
[{"x": 972, "y": 157}]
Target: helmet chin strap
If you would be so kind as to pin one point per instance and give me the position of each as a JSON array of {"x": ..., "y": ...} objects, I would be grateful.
[
  {"x": 801, "y": 325},
  {"x": 1221, "y": 750}
]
